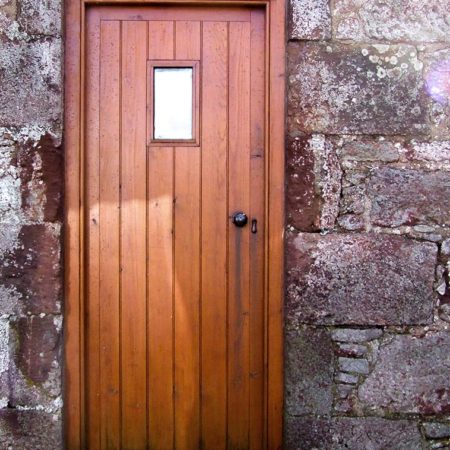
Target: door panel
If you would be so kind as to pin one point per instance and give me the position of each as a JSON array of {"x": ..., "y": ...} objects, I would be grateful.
[{"x": 175, "y": 307}]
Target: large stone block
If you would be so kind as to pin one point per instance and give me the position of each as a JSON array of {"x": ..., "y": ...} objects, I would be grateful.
[
  {"x": 308, "y": 372},
  {"x": 30, "y": 76},
  {"x": 368, "y": 89},
  {"x": 29, "y": 430},
  {"x": 411, "y": 375},
  {"x": 392, "y": 20},
  {"x": 409, "y": 197},
  {"x": 351, "y": 433},
  {"x": 309, "y": 19},
  {"x": 41, "y": 174},
  {"x": 33, "y": 268},
  {"x": 369, "y": 279},
  {"x": 37, "y": 17},
  {"x": 313, "y": 183},
  {"x": 437, "y": 81}
]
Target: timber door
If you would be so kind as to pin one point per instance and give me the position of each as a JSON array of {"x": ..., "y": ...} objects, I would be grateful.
[{"x": 174, "y": 304}]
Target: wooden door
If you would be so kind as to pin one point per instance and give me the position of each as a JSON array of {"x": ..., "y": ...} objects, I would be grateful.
[{"x": 174, "y": 303}]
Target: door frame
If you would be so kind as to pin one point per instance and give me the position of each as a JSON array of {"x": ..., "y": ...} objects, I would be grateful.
[{"x": 75, "y": 11}]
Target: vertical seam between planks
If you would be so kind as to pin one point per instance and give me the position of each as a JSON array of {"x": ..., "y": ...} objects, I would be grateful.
[
  {"x": 200, "y": 242},
  {"x": 100, "y": 406},
  {"x": 174, "y": 29},
  {"x": 268, "y": 149},
  {"x": 250, "y": 237},
  {"x": 227, "y": 269},
  {"x": 147, "y": 164},
  {"x": 120, "y": 234}
]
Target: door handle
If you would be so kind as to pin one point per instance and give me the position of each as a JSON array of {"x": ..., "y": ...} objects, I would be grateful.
[{"x": 240, "y": 219}]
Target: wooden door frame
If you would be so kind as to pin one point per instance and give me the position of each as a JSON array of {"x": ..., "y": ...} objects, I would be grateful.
[{"x": 74, "y": 219}]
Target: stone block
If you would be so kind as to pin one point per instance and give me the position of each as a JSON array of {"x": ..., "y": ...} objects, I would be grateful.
[
  {"x": 351, "y": 433},
  {"x": 41, "y": 174},
  {"x": 369, "y": 150},
  {"x": 392, "y": 20},
  {"x": 30, "y": 76},
  {"x": 436, "y": 430},
  {"x": 437, "y": 82},
  {"x": 367, "y": 279},
  {"x": 313, "y": 178},
  {"x": 411, "y": 375},
  {"x": 308, "y": 372},
  {"x": 356, "y": 336},
  {"x": 37, "y": 17},
  {"x": 347, "y": 378},
  {"x": 352, "y": 365},
  {"x": 360, "y": 89},
  {"x": 351, "y": 350},
  {"x": 309, "y": 20},
  {"x": 29, "y": 430},
  {"x": 409, "y": 197},
  {"x": 33, "y": 268}
]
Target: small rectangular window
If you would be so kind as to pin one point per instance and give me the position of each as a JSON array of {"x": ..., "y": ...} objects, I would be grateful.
[{"x": 173, "y": 103}]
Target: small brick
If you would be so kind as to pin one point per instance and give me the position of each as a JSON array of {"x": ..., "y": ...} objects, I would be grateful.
[
  {"x": 351, "y": 350},
  {"x": 348, "y": 378},
  {"x": 435, "y": 430},
  {"x": 356, "y": 336},
  {"x": 352, "y": 365}
]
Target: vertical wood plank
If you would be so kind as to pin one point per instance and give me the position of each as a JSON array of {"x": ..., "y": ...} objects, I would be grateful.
[
  {"x": 275, "y": 226},
  {"x": 74, "y": 354},
  {"x": 187, "y": 40},
  {"x": 92, "y": 243},
  {"x": 133, "y": 236},
  {"x": 257, "y": 190},
  {"x": 187, "y": 265},
  {"x": 238, "y": 242},
  {"x": 160, "y": 268},
  {"x": 187, "y": 269},
  {"x": 214, "y": 234},
  {"x": 109, "y": 202}
]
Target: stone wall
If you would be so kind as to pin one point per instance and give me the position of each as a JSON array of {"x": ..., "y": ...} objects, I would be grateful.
[
  {"x": 368, "y": 225},
  {"x": 31, "y": 191},
  {"x": 368, "y": 216}
]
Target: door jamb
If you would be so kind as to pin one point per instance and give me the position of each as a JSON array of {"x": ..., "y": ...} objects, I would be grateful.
[{"x": 74, "y": 432}]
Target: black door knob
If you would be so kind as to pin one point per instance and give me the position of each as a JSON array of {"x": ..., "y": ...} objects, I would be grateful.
[{"x": 240, "y": 219}]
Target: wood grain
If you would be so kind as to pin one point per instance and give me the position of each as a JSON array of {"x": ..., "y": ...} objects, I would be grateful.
[
  {"x": 214, "y": 234},
  {"x": 133, "y": 236},
  {"x": 238, "y": 241},
  {"x": 109, "y": 234},
  {"x": 160, "y": 268},
  {"x": 257, "y": 240},
  {"x": 93, "y": 423}
]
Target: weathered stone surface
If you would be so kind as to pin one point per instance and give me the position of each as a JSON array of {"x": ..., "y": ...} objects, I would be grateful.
[
  {"x": 41, "y": 173},
  {"x": 33, "y": 268},
  {"x": 309, "y": 19},
  {"x": 30, "y": 76},
  {"x": 356, "y": 336},
  {"x": 412, "y": 375},
  {"x": 351, "y": 433},
  {"x": 347, "y": 378},
  {"x": 366, "y": 279},
  {"x": 313, "y": 183},
  {"x": 369, "y": 150},
  {"x": 29, "y": 430},
  {"x": 436, "y": 430},
  {"x": 372, "y": 89},
  {"x": 308, "y": 372},
  {"x": 437, "y": 82},
  {"x": 392, "y": 20},
  {"x": 38, "y": 346},
  {"x": 351, "y": 350},
  {"x": 409, "y": 197},
  {"x": 352, "y": 365},
  {"x": 41, "y": 18}
]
